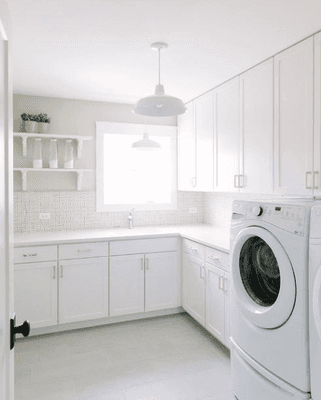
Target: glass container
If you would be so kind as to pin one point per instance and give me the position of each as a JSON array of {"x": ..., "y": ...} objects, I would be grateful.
[
  {"x": 53, "y": 154},
  {"x": 69, "y": 154},
  {"x": 37, "y": 154}
]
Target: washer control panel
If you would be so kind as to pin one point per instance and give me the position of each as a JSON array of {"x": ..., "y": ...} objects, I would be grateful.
[{"x": 285, "y": 216}]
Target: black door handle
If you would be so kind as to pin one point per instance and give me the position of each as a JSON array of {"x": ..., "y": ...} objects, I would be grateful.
[{"x": 24, "y": 329}]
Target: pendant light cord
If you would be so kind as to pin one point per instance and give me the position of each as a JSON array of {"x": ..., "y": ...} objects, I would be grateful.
[{"x": 159, "y": 66}]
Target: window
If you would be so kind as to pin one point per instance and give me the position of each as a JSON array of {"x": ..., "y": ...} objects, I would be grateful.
[{"x": 130, "y": 178}]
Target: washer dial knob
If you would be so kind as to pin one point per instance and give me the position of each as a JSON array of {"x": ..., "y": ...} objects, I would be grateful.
[{"x": 257, "y": 211}]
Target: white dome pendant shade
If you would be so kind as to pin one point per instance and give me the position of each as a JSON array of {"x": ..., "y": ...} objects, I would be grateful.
[
  {"x": 146, "y": 144},
  {"x": 159, "y": 104}
]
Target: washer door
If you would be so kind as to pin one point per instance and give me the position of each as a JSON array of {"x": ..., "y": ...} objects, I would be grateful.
[{"x": 263, "y": 278}]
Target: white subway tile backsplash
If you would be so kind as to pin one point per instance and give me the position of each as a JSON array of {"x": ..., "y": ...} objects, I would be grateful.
[{"x": 77, "y": 210}]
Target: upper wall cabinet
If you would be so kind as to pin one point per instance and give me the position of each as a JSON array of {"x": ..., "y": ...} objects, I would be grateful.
[
  {"x": 293, "y": 120},
  {"x": 226, "y": 137},
  {"x": 256, "y": 128},
  {"x": 195, "y": 146},
  {"x": 317, "y": 116}
]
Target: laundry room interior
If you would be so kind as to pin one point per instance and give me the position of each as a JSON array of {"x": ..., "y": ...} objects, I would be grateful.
[{"x": 161, "y": 200}]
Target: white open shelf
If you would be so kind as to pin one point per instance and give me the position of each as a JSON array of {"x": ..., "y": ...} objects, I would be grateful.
[
  {"x": 25, "y": 136},
  {"x": 24, "y": 172}
]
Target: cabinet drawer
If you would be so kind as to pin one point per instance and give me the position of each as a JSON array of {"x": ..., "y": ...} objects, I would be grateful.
[
  {"x": 83, "y": 250},
  {"x": 217, "y": 258},
  {"x": 143, "y": 246},
  {"x": 35, "y": 254},
  {"x": 193, "y": 248}
]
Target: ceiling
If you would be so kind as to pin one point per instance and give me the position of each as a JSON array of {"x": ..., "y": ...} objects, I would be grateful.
[{"x": 100, "y": 49}]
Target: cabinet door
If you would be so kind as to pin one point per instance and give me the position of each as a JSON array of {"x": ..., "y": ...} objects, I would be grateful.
[
  {"x": 126, "y": 284},
  {"x": 35, "y": 293},
  {"x": 186, "y": 149},
  {"x": 203, "y": 110},
  {"x": 83, "y": 289},
  {"x": 226, "y": 137},
  {"x": 215, "y": 302},
  {"x": 256, "y": 124},
  {"x": 293, "y": 119},
  {"x": 161, "y": 281},
  {"x": 317, "y": 116},
  {"x": 226, "y": 288},
  {"x": 193, "y": 275}
]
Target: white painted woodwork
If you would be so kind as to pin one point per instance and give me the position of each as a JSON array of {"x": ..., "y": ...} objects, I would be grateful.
[
  {"x": 161, "y": 281},
  {"x": 226, "y": 136},
  {"x": 193, "y": 248},
  {"x": 186, "y": 149},
  {"x": 193, "y": 276},
  {"x": 126, "y": 284},
  {"x": 83, "y": 289},
  {"x": 293, "y": 119},
  {"x": 215, "y": 302},
  {"x": 227, "y": 310},
  {"x": 35, "y": 287},
  {"x": 317, "y": 116},
  {"x": 134, "y": 246},
  {"x": 83, "y": 250},
  {"x": 203, "y": 109},
  {"x": 256, "y": 128},
  {"x": 35, "y": 254},
  {"x": 218, "y": 258}
]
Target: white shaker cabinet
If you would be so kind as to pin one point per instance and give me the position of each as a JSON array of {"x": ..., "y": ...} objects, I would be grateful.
[
  {"x": 195, "y": 145},
  {"x": 316, "y": 182},
  {"x": 126, "y": 284},
  {"x": 83, "y": 289},
  {"x": 226, "y": 137},
  {"x": 293, "y": 119},
  {"x": 35, "y": 291},
  {"x": 256, "y": 129}
]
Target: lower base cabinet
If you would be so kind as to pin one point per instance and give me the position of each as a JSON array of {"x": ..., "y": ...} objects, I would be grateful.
[
  {"x": 83, "y": 289},
  {"x": 35, "y": 291}
]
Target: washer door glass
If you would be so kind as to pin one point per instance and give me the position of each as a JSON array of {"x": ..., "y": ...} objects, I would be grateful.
[
  {"x": 263, "y": 281},
  {"x": 260, "y": 271}
]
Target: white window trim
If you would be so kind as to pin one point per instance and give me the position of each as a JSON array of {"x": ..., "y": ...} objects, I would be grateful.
[{"x": 102, "y": 128}]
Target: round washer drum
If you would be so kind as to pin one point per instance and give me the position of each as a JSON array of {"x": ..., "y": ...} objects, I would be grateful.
[{"x": 263, "y": 278}]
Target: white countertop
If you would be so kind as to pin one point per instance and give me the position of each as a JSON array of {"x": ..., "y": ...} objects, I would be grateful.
[{"x": 209, "y": 235}]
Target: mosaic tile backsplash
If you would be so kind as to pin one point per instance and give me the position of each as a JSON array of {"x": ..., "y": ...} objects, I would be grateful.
[{"x": 77, "y": 210}]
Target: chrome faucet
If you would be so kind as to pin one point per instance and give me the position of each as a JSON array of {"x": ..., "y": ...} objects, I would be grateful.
[{"x": 130, "y": 219}]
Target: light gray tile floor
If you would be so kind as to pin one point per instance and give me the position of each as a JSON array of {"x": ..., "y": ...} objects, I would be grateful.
[{"x": 166, "y": 358}]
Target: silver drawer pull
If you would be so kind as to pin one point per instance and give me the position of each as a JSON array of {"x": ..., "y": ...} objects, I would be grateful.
[
  {"x": 84, "y": 250},
  {"x": 30, "y": 255},
  {"x": 220, "y": 283},
  {"x": 225, "y": 284},
  {"x": 213, "y": 257},
  {"x": 194, "y": 250},
  {"x": 54, "y": 272},
  {"x": 147, "y": 263},
  {"x": 61, "y": 271}
]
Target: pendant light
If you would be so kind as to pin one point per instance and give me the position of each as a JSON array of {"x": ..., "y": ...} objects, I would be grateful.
[
  {"x": 159, "y": 104},
  {"x": 146, "y": 143}
]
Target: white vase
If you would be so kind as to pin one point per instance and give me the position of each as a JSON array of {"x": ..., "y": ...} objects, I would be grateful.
[
  {"x": 69, "y": 154},
  {"x": 43, "y": 127},
  {"x": 30, "y": 126},
  {"x": 37, "y": 154}
]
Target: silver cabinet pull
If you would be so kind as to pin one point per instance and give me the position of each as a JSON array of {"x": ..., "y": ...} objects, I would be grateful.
[
  {"x": 225, "y": 284},
  {"x": 147, "y": 263},
  {"x": 30, "y": 255},
  {"x": 84, "y": 250},
  {"x": 61, "y": 271},
  {"x": 54, "y": 272},
  {"x": 306, "y": 179},
  {"x": 202, "y": 274},
  {"x": 220, "y": 283},
  {"x": 142, "y": 263},
  {"x": 235, "y": 183},
  {"x": 314, "y": 179},
  {"x": 213, "y": 257}
]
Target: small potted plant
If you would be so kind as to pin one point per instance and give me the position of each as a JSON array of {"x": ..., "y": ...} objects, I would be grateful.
[
  {"x": 29, "y": 122},
  {"x": 43, "y": 123}
]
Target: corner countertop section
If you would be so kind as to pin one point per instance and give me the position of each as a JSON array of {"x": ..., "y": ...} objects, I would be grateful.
[{"x": 209, "y": 235}]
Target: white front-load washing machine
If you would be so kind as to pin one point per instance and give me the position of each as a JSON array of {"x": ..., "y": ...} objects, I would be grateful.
[
  {"x": 269, "y": 300},
  {"x": 315, "y": 302}
]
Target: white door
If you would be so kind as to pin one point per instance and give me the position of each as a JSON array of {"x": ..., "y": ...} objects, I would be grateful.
[
  {"x": 83, "y": 289},
  {"x": 35, "y": 288},
  {"x": 256, "y": 125},
  {"x": 161, "y": 285},
  {"x": 186, "y": 149},
  {"x": 204, "y": 142},
  {"x": 293, "y": 119},
  {"x": 6, "y": 209},
  {"x": 193, "y": 275},
  {"x": 226, "y": 137},
  {"x": 126, "y": 284},
  {"x": 215, "y": 302}
]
